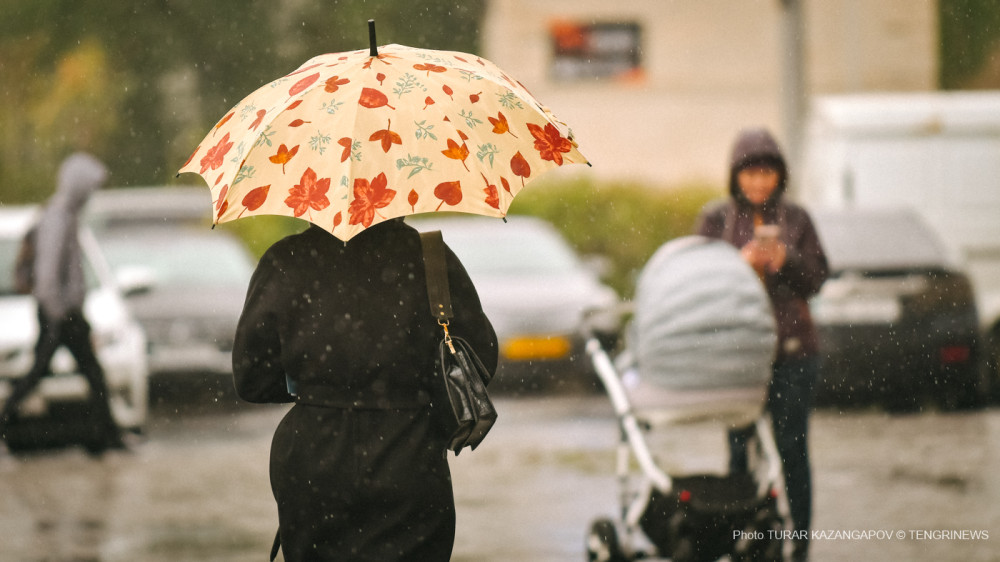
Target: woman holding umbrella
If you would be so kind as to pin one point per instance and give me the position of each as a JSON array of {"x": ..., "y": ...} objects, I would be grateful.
[
  {"x": 337, "y": 318},
  {"x": 357, "y": 465}
]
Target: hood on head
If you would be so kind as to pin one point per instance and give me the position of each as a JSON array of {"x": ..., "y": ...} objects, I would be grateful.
[
  {"x": 752, "y": 147},
  {"x": 80, "y": 175}
]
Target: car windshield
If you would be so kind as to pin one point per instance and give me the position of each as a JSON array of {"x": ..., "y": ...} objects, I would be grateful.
[
  {"x": 8, "y": 253},
  {"x": 517, "y": 252},
  {"x": 878, "y": 241},
  {"x": 181, "y": 259}
]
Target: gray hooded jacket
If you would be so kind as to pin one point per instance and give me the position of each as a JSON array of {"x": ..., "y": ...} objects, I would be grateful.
[{"x": 59, "y": 280}]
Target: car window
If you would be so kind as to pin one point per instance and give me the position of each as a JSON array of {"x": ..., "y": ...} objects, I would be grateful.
[
  {"x": 8, "y": 253},
  {"x": 535, "y": 252},
  {"x": 878, "y": 241},
  {"x": 181, "y": 259}
]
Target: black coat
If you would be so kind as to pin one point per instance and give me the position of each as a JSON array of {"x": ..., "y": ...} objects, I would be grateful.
[{"x": 357, "y": 467}]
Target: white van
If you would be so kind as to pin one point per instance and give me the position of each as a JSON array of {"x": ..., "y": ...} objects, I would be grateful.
[{"x": 937, "y": 153}]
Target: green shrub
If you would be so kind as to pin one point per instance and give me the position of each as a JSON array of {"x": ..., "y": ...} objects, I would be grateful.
[{"x": 623, "y": 222}]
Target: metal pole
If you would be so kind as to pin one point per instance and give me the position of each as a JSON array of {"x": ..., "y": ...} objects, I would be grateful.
[{"x": 792, "y": 85}]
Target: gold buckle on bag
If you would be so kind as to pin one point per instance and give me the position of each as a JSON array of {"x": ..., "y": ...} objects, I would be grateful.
[{"x": 447, "y": 336}]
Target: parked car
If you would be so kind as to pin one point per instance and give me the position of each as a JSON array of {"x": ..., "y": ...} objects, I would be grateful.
[
  {"x": 119, "y": 339},
  {"x": 897, "y": 320},
  {"x": 199, "y": 275},
  {"x": 535, "y": 290}
]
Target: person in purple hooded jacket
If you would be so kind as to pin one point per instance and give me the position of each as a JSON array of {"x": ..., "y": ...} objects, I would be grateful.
[{"x": 778, "y": 240}]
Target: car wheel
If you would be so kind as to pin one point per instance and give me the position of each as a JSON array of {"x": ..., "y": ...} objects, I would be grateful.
[{"x": 603, "y": 544}]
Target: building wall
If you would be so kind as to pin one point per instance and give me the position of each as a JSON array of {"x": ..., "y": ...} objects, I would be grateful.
[{"x": 709, "y": 68}]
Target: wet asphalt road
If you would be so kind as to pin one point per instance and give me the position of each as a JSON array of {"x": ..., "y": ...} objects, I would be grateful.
[{"x": 196, "y": 488}]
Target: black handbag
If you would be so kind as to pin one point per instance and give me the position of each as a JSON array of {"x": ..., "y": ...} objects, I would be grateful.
[{"x": 462, "y": 405}]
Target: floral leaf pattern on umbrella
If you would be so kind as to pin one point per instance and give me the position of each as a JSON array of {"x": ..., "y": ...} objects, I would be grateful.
[
  {"x": 457, "y": 152},
  {"x": 346, "y": 143},
  {"x": 418, "y": 163},
  {"x": 284, "y": 155},
  {"x": 224, "y": 120},
  {"x": 500, "y": 125},
  {"x": 373, "y": 99},
  {"x": 492, "y": 195},
  {"x": 443, "y": 107},
  {"x": 222, "y": 197},
  {"x": 216, "y": 155},
  {"x": 519, "y": 165},
  {"x": 255, "y": 198},
  {"x": 549, "y": 143},
  {"x": 387, "y": 137},
  {"x": 429, "y": 68},
  {"x": 310, "y": 192},
  {"x": 368, "y": 198},
  {"x": 303, "y": 84},
  {"x": 256, "y": 123},
  {"x": 449, "y": 192},
  {"x": 334, "y": 83}
]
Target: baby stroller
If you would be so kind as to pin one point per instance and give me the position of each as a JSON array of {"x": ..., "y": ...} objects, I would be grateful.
[{"x": 698, "y": 350}]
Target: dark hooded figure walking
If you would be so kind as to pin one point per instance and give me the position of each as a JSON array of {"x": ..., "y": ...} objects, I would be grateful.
[
  {"x": 358, "y": 466},
  {"x": 59, "y": 287},
  {"x": 778, "y": 240}
]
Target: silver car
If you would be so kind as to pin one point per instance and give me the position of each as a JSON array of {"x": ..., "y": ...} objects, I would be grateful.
[
  {"x": 119, "y": 339},
  {"x": 535, "y": 290},
  {"x": 199, "y": 275}
]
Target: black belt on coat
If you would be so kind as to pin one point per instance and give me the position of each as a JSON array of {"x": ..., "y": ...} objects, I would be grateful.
[{"x": 331, "y": 397}]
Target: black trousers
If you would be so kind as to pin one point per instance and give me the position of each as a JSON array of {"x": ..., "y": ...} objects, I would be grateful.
[{"x": 72, "y": 331}]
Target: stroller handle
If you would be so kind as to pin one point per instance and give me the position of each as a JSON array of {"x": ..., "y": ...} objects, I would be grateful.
[{"x": 626, "y": 417}]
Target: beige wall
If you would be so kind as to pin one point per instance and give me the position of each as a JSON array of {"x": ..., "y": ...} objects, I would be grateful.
[{"x": 711, "y": 68}]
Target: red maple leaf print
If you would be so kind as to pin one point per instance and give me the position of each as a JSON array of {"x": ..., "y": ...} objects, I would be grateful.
[
  {"x": 492, "y": 194},
  {"x": 215, "y": 155},
  {"x": 310, "y": 192},
  {"x": 368, "y": 198},
  {"x": 549, "y": 142}
]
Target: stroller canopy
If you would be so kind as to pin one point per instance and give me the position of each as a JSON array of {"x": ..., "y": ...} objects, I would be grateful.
[{"x": 703, "y": 320}]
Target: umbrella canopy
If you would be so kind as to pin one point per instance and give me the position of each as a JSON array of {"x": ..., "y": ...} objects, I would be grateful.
[{"x": 352, "y": 139}]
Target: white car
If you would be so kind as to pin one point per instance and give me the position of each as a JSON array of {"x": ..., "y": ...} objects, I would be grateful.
[
  {"x": 120, "y": 341},
  {"x": 537, "y": 293}
]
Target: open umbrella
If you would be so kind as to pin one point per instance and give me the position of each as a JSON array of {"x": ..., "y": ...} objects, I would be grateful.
[{"x": 351, "y": 139}]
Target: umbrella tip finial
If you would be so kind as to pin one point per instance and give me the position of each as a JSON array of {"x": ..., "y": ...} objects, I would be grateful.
[{"x": 371, "y": 38}]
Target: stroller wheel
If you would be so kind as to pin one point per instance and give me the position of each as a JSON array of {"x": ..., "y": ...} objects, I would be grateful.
[{"x": 602, "y": 542}]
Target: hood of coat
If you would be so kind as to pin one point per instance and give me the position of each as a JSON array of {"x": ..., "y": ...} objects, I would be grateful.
[
  {"x": 79, "y": 176},
  {"x": 752, "y": 147}
]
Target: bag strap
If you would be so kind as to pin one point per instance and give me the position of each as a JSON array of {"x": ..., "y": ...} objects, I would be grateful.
[
  {"x": 436, "y": 269},
  {"x": 438, "y": 291}
]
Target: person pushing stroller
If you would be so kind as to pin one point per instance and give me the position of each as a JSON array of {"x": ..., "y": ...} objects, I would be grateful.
[{"x": 778, "y": 240}]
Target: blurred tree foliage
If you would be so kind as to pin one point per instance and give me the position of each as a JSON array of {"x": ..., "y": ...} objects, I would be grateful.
[
  {"x": 970, "y": 43},
  {"x": 139, "y": 83}
]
